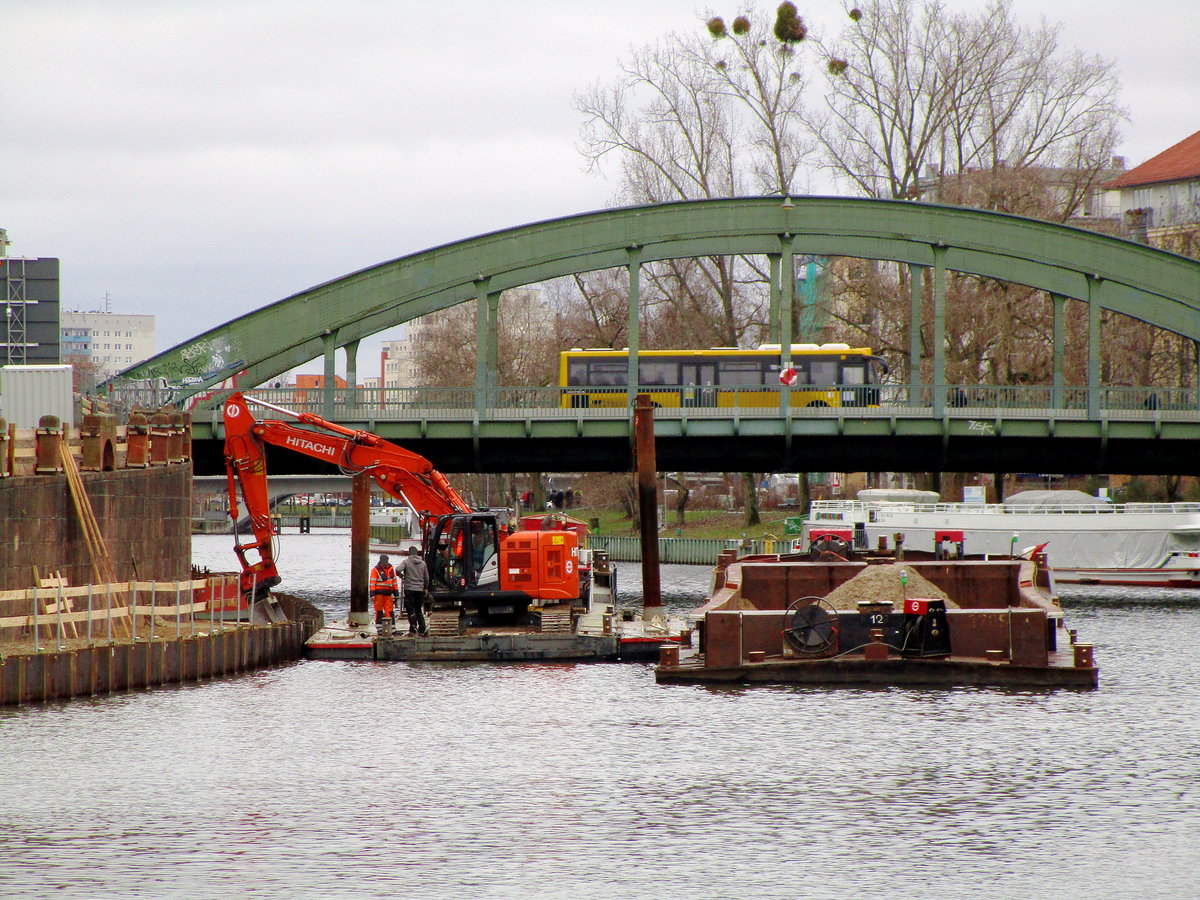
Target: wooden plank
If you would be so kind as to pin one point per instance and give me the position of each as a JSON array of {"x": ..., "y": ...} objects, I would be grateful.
[
  {"x": 169, "y": 612},
  {"x": 97, "y": 616},
  {"x": 160, "y": 587},
  {"x": 56, "y": 581},
  {"x": 68, "y": 608},
  {"x": 102, "y": 567},
  {"x": 98, "y": 589},
  {"x": 50, "y": 617},
  {"x": 39, "y": 606},
  {"x": 80, "y": 615}
]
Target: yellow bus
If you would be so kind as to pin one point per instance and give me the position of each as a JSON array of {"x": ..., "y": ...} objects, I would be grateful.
[{"x": 819, "y": 375}]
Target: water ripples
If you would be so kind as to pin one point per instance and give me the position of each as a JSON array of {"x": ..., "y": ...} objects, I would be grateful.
[{"x": 591, "y": 781}]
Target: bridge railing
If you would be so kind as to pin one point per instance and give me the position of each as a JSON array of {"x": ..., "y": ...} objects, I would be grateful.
[{"x": 957, "y": 401}]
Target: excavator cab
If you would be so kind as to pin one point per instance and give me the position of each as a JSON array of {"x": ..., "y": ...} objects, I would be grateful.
[{"x": 462, "y": 552}]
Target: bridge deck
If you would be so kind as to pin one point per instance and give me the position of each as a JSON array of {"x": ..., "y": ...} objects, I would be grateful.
[{"x": 1117, "y": 431}]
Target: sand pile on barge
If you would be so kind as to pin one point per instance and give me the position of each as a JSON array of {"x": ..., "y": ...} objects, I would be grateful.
[{"x": 882, "y": 583}]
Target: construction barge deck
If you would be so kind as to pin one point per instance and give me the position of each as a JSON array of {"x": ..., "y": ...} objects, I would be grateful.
[
  {"x": 493, "y": 645},
  {"x": 598, "y": 631},
  {"x": 778, "y": 620}
]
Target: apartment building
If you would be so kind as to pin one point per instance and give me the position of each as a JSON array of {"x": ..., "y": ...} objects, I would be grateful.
[{"x": 112, "y": 342}]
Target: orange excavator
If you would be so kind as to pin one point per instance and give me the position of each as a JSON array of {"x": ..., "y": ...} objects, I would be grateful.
[{"x": 480, "y": 569}]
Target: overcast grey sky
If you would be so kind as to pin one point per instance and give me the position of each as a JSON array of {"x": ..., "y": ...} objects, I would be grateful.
[{"x": 197, "y": 159}]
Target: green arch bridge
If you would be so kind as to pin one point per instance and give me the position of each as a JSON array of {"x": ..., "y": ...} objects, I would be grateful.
[{"x": 918, "y": 427}]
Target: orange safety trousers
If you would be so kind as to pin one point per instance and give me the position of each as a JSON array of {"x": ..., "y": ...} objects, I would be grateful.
[{"x": 384, "y": 587}]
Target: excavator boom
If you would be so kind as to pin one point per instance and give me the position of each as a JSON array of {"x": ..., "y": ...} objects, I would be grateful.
[
  {"x": 402, "y": 474},
  {"x": 473, "y": 559}
]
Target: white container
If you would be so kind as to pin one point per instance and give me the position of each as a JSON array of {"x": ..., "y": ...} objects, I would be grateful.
[{"x": 29, "y": 392}]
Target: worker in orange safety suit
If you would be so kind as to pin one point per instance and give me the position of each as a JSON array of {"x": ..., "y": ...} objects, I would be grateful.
[{"x": 385, "y": 587}]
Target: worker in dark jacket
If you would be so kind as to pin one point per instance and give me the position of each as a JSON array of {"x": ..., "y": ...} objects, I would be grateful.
[
  {"x": 384, "y": 589},
  {"x": 415, "y": 577}
]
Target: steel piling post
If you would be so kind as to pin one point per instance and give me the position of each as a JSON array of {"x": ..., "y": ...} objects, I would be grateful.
[
  {"x": 647, "y": 482},
  {"x": 360, "y": 547}
]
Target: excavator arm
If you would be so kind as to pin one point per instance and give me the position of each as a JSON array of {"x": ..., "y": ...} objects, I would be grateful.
[{"x": 401, "y": 473}]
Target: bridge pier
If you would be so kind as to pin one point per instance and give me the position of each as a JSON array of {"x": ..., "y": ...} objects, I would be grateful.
[
  {"x": 329, "y": 348},
  {"x": 351, "y": 351},
  {"x": 1093, "y": 364},
  {"x": 1060, "y": 336},
  {"x": 774, "y": 260},
  {"x": 938, "y": 381},
  {"x": 916, "y": 275},
  {"x": 481, "y": 342},
  {"x": 493, "y": 340}
]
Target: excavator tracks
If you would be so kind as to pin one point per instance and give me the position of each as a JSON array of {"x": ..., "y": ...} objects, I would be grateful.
[
  {"x": 555, "y": 619},
  {"x": 443, "y": 622}
]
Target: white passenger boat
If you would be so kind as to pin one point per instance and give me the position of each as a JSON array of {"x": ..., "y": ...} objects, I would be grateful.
[{"x": 1089, "y": 541}]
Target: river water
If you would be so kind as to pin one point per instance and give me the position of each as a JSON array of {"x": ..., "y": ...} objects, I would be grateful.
[{"x": 341, "y": 779}]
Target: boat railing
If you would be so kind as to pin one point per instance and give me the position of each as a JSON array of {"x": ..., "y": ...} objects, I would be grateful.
[{"x": 997, "y": 509}]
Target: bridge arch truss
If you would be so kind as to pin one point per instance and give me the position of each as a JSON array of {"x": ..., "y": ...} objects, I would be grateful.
[{"x": 1157, "y": 287}]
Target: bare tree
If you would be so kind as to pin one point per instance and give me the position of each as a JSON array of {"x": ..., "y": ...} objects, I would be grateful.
[
  {"x": 971, "y": 108},
  {"x": 528, "y": 341},
  {"x": 674, "y": 139},
  {"x": 759, "y": 72},
  {"x": 682, "y": 494},
  {"x": 703, "y": 115},
  {"x": 913, "y": 88},
  {"x": 445, "y": 348},
  {"x": 593, "y": 308},
  {"x": 86, "y": 373}
]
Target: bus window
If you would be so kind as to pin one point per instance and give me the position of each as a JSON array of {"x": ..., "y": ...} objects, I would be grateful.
[
  {"x": 740, "y": 373},
  {"x": 857, "y": 374},
  {"x": 658, "y": 373},
  {"x": 823, "y": 371},
  {"x": 698, "y": 380},
  {"x": 703, "y": 374},
  {"x": 577, "y": 373},
  {"x": 608, "y": 373}
]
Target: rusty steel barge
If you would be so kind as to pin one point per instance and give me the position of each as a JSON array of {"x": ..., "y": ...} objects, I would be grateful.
[{"x": 770, "y": 621}]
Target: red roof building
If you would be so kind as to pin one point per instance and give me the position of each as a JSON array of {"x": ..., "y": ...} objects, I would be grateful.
[
  {"x": 1163, "y": 193},
  {"x": 1178, "y": 163}
]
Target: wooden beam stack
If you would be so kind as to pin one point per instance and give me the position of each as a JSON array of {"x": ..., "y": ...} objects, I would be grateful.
[{"x": 102, "y": 567}]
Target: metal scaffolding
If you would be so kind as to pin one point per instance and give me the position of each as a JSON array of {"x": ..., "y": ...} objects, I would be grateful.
[{"x": 14, "y": 342}]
